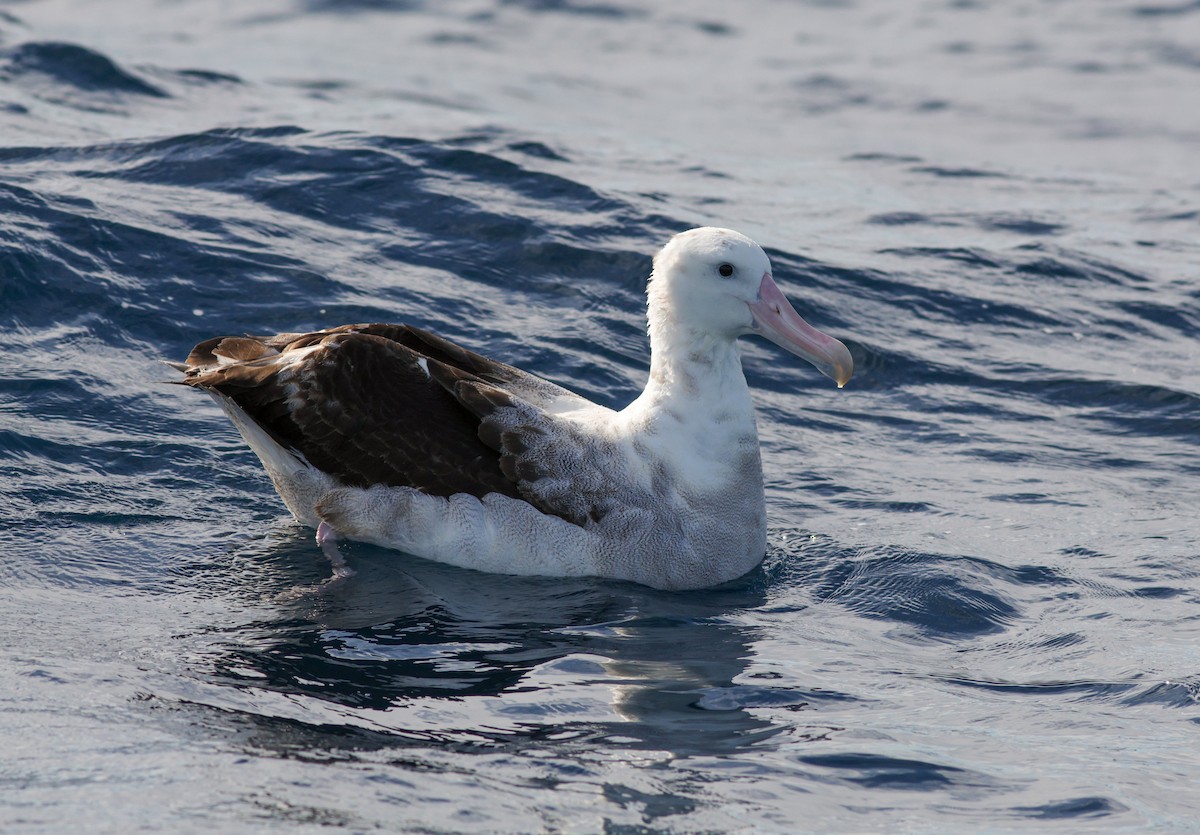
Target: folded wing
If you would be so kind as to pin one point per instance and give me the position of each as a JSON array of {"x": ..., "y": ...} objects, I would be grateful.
[{"x": 396, "y": 405}]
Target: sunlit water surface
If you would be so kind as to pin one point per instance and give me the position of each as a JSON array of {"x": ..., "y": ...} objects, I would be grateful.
[{"x": 980, "y": 608}]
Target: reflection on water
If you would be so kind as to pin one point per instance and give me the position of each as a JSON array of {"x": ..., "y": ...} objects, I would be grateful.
[
  {"x": 980, "y": 602},
  {"x": 423, "y": 651}
]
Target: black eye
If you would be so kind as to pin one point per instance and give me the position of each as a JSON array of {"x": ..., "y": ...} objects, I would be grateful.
[{"x": 725, "y": 270}]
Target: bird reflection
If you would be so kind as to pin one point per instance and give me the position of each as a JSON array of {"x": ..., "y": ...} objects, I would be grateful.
[{"x": 426, "y": 651}]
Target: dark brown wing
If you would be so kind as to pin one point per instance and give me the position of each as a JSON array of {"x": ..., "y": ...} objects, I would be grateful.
[
  {"x": 360, "y": 404},
  {"x": 529, "y": 387}
]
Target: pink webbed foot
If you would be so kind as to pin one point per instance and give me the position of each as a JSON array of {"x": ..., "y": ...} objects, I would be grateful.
[{"x": 327, "y": 538}]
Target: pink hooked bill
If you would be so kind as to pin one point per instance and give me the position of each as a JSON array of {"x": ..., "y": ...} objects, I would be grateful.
[{"x": 778, "y": 321}]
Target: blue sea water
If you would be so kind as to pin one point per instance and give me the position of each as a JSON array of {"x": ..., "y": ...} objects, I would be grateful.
[{"x": 980, "y": 607}]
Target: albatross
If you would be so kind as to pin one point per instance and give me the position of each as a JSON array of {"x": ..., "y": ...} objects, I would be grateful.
[{"x": 389, "y": 434}]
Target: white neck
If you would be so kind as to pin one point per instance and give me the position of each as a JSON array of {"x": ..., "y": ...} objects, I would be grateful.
[{"x": 696, "y": 393}]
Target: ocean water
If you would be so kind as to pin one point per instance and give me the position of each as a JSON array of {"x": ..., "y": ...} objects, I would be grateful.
[{"x": 980, "y": 607}]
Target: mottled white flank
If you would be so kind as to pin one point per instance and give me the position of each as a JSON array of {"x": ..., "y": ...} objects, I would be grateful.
[{"x": 677, "y": 471}]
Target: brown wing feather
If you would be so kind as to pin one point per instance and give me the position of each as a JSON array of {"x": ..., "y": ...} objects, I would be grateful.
[
  {"x": 528, "y": 387},
  {"x": 394, "y": 404},
  {"x": 555, "y": 466},
  {"x": 358, "y": 406}
]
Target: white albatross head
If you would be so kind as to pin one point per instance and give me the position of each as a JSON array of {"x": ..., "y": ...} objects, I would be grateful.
[{"x": 717, "y": 282}]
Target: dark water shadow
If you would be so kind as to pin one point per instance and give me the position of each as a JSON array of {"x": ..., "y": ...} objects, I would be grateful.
[{"x": 501, "y": 661}]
